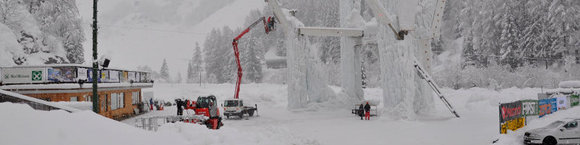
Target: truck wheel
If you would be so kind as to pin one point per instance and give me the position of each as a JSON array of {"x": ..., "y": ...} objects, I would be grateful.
[
  {"x": 208, "y": 125},
  {"x": 241, "y": 115},
  {"x": 251, "y": 113}
]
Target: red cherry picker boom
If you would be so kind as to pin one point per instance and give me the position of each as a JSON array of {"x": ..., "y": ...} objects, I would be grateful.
[{"x": 235, "y": 106}]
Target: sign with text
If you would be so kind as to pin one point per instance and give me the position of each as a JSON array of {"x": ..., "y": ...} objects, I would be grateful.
[
  {"x": 23, "y": 75},
  {"x": 510, "y": 111},
  {"x": 82, "y": 73},
  {"x": 547, "y": 106},
  {"x": 529, "y": 107},
  {"x": 513, "y": 125}
]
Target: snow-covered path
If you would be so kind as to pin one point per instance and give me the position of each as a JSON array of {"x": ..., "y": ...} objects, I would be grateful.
[{"x": 478, "y": 124}]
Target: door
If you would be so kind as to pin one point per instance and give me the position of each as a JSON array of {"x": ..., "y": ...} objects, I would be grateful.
[{"x": 570, "y": 134}]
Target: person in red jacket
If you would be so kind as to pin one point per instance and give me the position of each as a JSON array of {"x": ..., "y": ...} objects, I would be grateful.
[{"x": 368, "y": 111}]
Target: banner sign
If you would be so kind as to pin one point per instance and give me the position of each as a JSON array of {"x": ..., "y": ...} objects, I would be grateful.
[
  {"x": 113, "y": 76},
  {"x": 547, "y": 106},
  {"x": 82, "y": 74},
  {"x": 125, "y": 77},
  {"x": 62, "y": 74},
  {"x": 510, "y": 111},
  {"x": 513, "y": 125},
  {"x": 561, "y": 102},
  {"x": 529, "y": 107},
  {"x": 90, "y": 71},
  {"x": 574, "y": 100},
  {"x": 24, "y": 75}
]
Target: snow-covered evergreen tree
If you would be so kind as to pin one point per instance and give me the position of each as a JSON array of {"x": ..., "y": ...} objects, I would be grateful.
[
  {"x": 49, "y": 31},
  {"x": 164, "y": 72},
  {"x": 190, "y": 75},
  {"x": 196, "y": 65}
]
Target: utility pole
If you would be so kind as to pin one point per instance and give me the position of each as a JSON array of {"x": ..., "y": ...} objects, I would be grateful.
[{"x": 95, "y": 63}]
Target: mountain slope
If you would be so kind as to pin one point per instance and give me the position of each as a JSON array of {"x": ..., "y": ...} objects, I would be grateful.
[{"x": 131, "y": 36}]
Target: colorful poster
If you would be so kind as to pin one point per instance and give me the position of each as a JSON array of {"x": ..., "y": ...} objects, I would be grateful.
[
  {"x": 547, "y": 106},
  {"x": 62, "y": 74},
  {"x": 510, "y": 111},
  {"x": 513, "y": 125},
  {"x": 90, "y": 71},
  {"x": 562, "y": 102},
  {"x": 529, "y": 107}
]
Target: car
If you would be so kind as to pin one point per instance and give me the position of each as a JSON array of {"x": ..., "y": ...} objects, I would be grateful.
[{"x": 564, "y": 131}]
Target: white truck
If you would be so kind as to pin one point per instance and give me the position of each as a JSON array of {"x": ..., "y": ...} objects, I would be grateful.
[{"x": 235, "y": 107}]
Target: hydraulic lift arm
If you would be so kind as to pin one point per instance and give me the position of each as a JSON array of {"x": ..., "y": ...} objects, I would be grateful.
[{"x": 268, "y": 26}]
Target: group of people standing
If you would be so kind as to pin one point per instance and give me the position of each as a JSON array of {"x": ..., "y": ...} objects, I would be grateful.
[{"x": 367, "y": 111}]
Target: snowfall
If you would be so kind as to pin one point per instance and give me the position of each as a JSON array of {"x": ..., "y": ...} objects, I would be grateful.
[{"x": 275, "y": 124}]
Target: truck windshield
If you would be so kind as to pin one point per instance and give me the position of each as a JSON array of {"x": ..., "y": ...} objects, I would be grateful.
[{"x": 230, "y": 103}]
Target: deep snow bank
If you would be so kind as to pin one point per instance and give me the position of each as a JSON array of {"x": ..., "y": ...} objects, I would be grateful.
[{"x": 21, "y": 125}]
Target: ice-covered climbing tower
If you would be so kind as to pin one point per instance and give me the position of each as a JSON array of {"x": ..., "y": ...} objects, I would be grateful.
[
  {"x": 350, "y": 47},
  {"x": 306, "y": 82},
  {"x": 405, "y": 94}
]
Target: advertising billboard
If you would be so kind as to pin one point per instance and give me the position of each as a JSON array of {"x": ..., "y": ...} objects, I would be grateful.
[
  {"x": 24, "y": 75},
  {"x": 562, "y": 102},
  {"x": 547, "y": 106},
  {"x": 62, "y": 74},
  {"x": 90, "y": 76},
  {"x": 574, "y": 100},
  {"x": 82, "y": 73},
  {"x": 125, "y": 76},
  {"x": 510, "y": 111},
  {"x": 113, "y": 76},
  {"x": 529, "y": 107}
]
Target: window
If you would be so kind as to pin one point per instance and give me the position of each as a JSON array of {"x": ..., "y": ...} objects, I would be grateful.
[
  {"x": 117, "y": 101},
  {"x": 121, "y": 100},
  {"x": 135, "y": 97},
  {"x": 74, "y": 99},
  {"x": 114, "y": 104},
  {"x": 571, "y": 125}
]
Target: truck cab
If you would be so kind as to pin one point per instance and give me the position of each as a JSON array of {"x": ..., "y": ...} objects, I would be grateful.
[{"x": 235, "y": 107}]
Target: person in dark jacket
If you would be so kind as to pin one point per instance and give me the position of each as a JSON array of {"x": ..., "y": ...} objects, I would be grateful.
[
  {"x": 360, "y": 111},
  {"x": 179, "y": 104},
  {"x": 368, "y": 111}
]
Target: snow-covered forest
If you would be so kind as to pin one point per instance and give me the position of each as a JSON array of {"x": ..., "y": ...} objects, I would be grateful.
[
  {"x": 501, "y": 44},
  {"x": 496, "y": 44},
  {"x": 40, "y": 32}
]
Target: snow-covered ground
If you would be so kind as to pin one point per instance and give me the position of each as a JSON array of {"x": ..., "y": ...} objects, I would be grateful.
[{"x": 478, "y": 124}]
